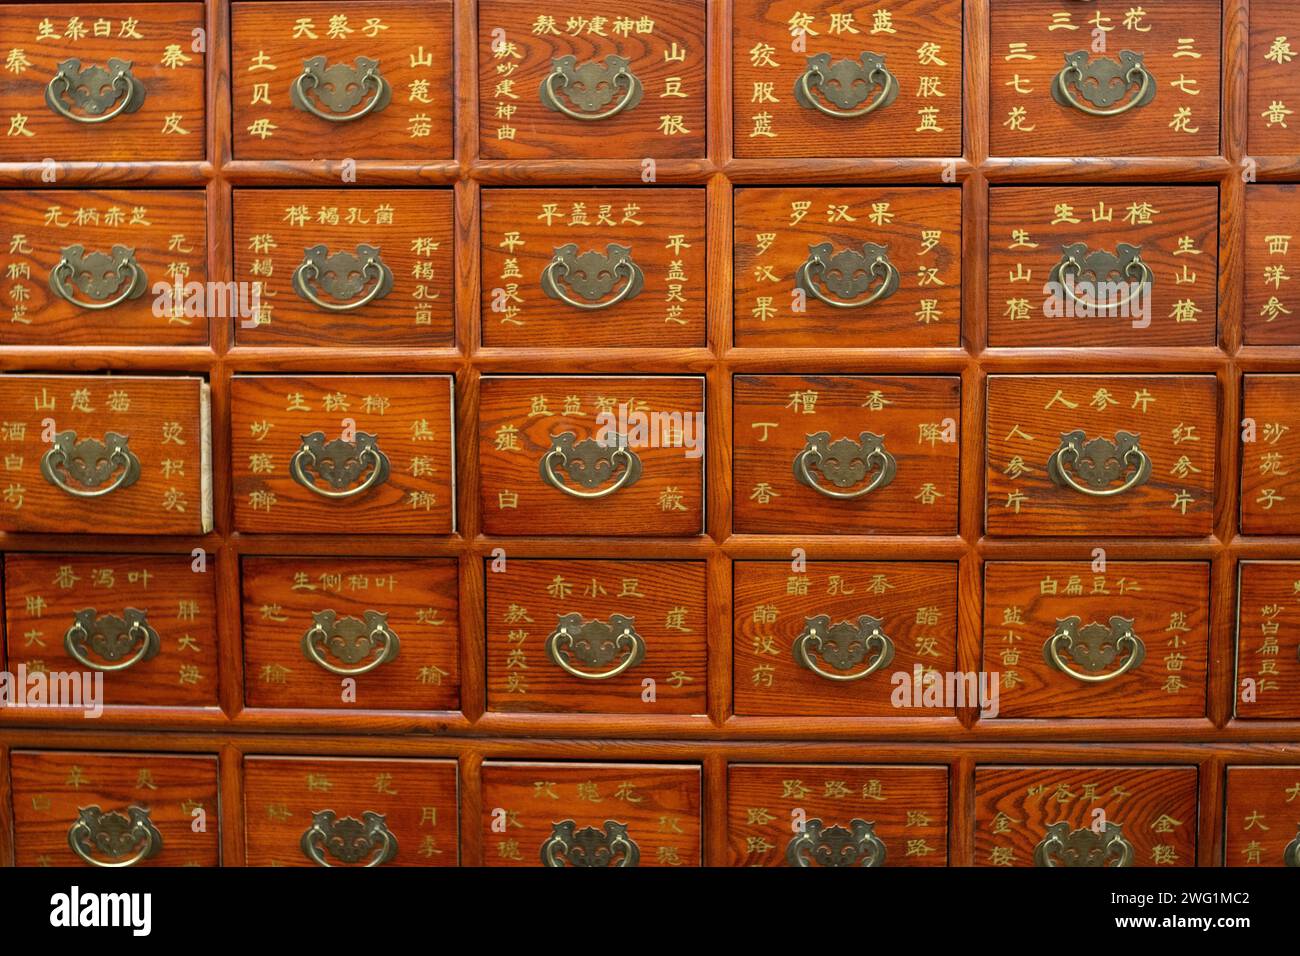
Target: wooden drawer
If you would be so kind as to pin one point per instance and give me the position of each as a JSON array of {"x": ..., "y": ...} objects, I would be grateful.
[
  {"x": 324, "y": 455},
  {"x": 1263, "y": 817},
  {"x": 120, "y": 809},
  {"x": 1273, "y": 73},
  {"x": 548, "y": 88},
  {"x": 302, "y": 80},
  {"x": 1085, "y": 816},
  {"x": 310, "y": 249},
  {"x": 1268, "y": 646},
  {"x": 1050, "y": 94},
  {"x": 627, "y": 637},
  {"x": 626, "y": 265},
  {"x": 1270, "y": 315},
  {"x": 806, "y": 272},
  {"x": 341, "y": 811},
  {"x": 840, "y": 454},
  {"x": 148, "y": 109},
  {"x": 1058, "y": 255},
  {"x": 551, "y": 459},
  {"x": 1067, "y": 641},
  {"x": 837, "y": 815},
  {"x": 118, "y": 454},
  {"x": 84, "y": 266},
  {"x": 147, "y": 621},
  {"x": 590, "y": 814},
  {"x": 804, "y": 640},
  {"x": 1270, "y": 483},
  {"x": 1043, "y": 428},
  {"x": 351, "y": 633},
  {"x": 810, "y": 73}
]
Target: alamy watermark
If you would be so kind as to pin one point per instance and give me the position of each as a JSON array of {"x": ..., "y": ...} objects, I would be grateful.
[
  {"x": 75, "y": 690},
  {"x": 198, "y": 300},
  {"x": 1073, "y": 298},
  {"x": 627, "y": 427},
  {"x": 946, "y": 691}
]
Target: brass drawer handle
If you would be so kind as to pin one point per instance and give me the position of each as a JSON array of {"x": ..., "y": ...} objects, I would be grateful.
[
  {"x": 847, "y": 84},
  {"x": 108, "y": 279},
  {"x": 114, "y": 834},
  {"x": 1291, "y": 855},
  {"x": 348, "y": 839},
  {"x": 847, "y": 273},
  {"x": 111, "y": 638},
  {"x": 593, "y": 276},
  {"x": 1094, "y": 647},
  {"x": 844, "y": 646},
  {"x": 342, "y": 276},
  {"x": 351, "y": 641},
  {"x": 591, "y": 87},
  {"x": 1061, "y": 846},
  {"x": 1097, "y": 267},
  {"x": 84, "y": 468},
  {"x": 845, "y": 462},
  {"x": 595, "y": 644},
  {"x": 341, "y": 88},
  {"x": 339, "y": 463},
  {"x": 1103, "y": 82},
  {"x": 589, "y": 463},
  {"x": 93, "y": 90},
  {"x": 820, "y": 845},
  {"x": 1099, "y": 462},
  {"x": 590, "y": 846}
]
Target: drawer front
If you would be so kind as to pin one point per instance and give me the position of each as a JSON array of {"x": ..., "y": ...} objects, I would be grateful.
[
  {"x": 1273, "y": 74},
  {"x": 1270, "y": 315},
  {"x": 552, "y": 459},
  {"x": 324, "y": 455},
  {"x": 1270, "y": 485},
  {"x": 847, "y": 267},
  {"x": 1085, "y": 816},
  {"x": 340, "y": 811},
  {"x": 114, "y": 454},
  {"x": 569, "y": 85},
  {"x": 347, "y": 267},
  {"x": 846, "y": 454},
  {"x": 150, "y": 109},
  {"x": 1268, "y": 648},
  {"x": 825, "y": 78},
  {"x": 147, "y": 622},
  {"x": 837, "y": 815},
  {"x": 590, "y": 814},
  {"x": 1263, "y": 817},
  {"x": 625, "y": 266},
  {"x": 1153, "y": 92},
  {"x": 627, "y": 637},
  {"x": 344, "y": 633},
  {"x": 837, "y": 638},
  {"x": 85, "y": 267},
  {"x": 1130, "y": 266},
  {"x": 1101, "y": 455},
  {"x": 114, "y": 809},
  {"x": 375, "y": 83},
  {"x": 1068, "y": 641}
]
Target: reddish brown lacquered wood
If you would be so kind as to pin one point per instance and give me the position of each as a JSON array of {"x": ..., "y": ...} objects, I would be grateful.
[
  {"x": 1273, "y": 71},
  {"x": 1267, "y": 651},
  {"x": 1262, "y": 817},
  {"x": 1270, "y": 485},
  {"x": 1270, "y": 314}
]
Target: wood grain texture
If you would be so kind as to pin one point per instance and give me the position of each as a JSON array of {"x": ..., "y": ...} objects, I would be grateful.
[
  {"x": 1262, "y": 816},
  {"x": 1270, "y": 315},
  {"x": 1270, "y": 486},
  {"x": 1267, "y": 651},
  {"x": 1274, "y": 42}
]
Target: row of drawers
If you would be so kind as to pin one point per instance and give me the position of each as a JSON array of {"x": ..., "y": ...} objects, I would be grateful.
[
  {"x": 814, "y": 266},
  {"x": 809, "y": 78},
  {"x": 126, "y": 809},
  {"x": 1060, "y": 639}
]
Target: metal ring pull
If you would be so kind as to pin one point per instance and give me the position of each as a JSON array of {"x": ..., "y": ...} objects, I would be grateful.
[
  {"x": 847, "y": 84},
  {"x": 1099, "y": 462},
  {"x": 115, "y": 835},
  {"x": 1103, "y": 82},
  {"x": 1291, "y": 855},
  {"x": 339, "y": 464},
  {"x": 848, "y": 273},
  {"x": 112, "y": 638},
  {"x": 595, "y": 644},
  {"x": 341, "y": 88},
  {"x": 844, "y": 646},
  {"x": 351, "y": 641},
  {"x": 1061, "y": 846},
  {"x": 90, "y": 468},
  {"x": 820, "y": 845},
  {"x": 590, "y": 847},
  {"x": 588, "y": 464},
  {"x": 348, "y": 839},
  {"x": 844, "y": 463},
  {"x": 593, "y": 276},
  {"x": 1094, "y": 647},
  {"x": 591, "y": 87},
  {"x": 94, "y": 90},
  {"x": 342, "y": 276},
  {"x": 1125, "y": 263},
  {"x": 108, "y": 279}
]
